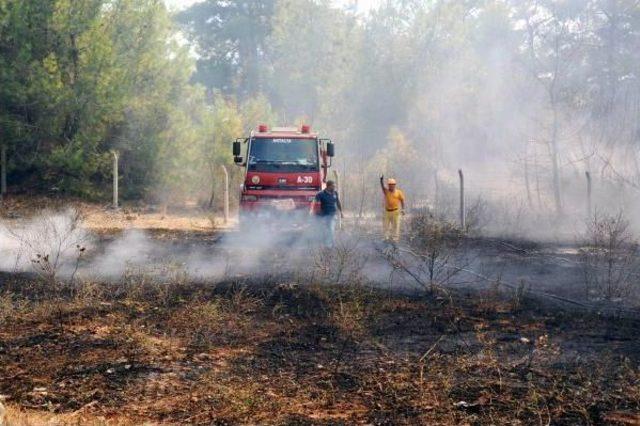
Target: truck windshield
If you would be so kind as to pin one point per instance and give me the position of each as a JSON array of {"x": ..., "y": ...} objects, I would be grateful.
[{"x": 283, "y": 155}]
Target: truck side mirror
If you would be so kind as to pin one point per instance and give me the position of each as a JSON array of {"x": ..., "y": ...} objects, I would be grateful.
[
  {"x": 237, "y": 159},
  {"x": 331, "y": 151},
  {"x": 236, "y": 149}
]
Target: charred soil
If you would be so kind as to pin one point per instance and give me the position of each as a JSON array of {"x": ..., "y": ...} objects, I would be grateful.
[{"x": 273, "y": 351}]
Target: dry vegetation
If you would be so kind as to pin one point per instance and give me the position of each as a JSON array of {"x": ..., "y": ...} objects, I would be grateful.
[
  {"x": 316, "y": 346},
  {"x": 610, "y": 259},
  {"x": 105, "y": 221},
  {"x": 284, "y": 352}
]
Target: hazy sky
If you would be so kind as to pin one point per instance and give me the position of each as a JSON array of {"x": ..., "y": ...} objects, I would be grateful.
[{"x": 362, "y": 4}]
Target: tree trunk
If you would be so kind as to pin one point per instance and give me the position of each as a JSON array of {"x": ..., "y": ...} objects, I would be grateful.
[
  {"x": 115, "y": 177},
  {"x": 535, "y": 168},
  {"x": 211, "y": 198},
  {"x": 554, "y": 163},
  {"x": 226, "y": 195}
]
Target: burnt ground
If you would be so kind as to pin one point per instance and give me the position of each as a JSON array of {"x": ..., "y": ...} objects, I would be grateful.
[
  {"x": 281, "y": 351},
  {"x": 312, "y": 346},
  {"x": 551, "y": 271}
]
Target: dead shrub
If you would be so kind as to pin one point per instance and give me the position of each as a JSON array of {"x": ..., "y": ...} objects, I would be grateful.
[
  {"x": 50, "y": 243},
  {"x": 349, "y": 309},
  {"x": 341, "y": 265},
  {"x": 208, "y": 323},
  {"x": 242, "y": 301},
  {"x": 205, "y": 321},
  {"x": 7, "y": 307},
  {"x": 88, "y": 293},
  {"x": 519, "y": 295},
  {"x": 491, "y": 300},
  {"x": 203, "y": 318},
  {"x": 435, "y": 243},
  {"x": 609, "y": 258},
  {"x": 476, "y": 217},
  {"x": 158, "y": 283}
]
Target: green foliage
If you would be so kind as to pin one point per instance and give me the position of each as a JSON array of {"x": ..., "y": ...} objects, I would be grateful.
[
  {"x": 79, "y": 78},
  {"x": 464, "y": 80},
  {"x": 454, "y": 80},
  {"x": 230, "y": 38},
  {"x": 198, "y": 144}
]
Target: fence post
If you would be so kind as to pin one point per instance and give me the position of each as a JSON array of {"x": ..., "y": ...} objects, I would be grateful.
[
  {"x": 336, "y": 175},
  {"x": 589, "y": 206},
  {"x": 462, "y": 207},
  {"x": 115, "y": 179},
  {"x": 226, "y": 194}
]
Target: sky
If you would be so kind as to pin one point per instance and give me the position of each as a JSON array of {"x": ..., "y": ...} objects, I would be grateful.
[{"x": 363, "y": 5}]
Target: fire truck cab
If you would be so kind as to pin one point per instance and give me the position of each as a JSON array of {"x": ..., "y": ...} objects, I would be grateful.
[{"x": 284, "y": 169}]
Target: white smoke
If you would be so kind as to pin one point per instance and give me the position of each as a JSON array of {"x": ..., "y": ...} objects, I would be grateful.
[
  {"x": 48, "y": 244},
  {"x": 57, "y": 244}
]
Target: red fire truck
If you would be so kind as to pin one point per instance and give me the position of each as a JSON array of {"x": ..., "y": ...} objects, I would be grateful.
[{"x": 284, "y": 169}]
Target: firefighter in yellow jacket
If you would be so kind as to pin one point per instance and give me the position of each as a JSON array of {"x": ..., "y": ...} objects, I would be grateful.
[{"x": 393, "y": 209}]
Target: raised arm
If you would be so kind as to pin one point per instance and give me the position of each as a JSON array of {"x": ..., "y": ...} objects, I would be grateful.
[{"x": 382, "y": 184}]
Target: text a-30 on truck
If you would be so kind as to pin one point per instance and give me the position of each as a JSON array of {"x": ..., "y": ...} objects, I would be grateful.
[{"x": 284, "y": 169}]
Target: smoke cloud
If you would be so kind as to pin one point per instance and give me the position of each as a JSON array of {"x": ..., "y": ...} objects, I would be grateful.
[{"x": 57, "y": 244}]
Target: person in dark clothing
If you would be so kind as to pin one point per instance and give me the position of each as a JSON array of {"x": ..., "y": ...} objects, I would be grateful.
[{"x": 329, "y": 207}]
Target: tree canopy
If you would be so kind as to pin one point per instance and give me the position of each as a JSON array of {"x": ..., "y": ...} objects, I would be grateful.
[{"x": 458, "y": 83}]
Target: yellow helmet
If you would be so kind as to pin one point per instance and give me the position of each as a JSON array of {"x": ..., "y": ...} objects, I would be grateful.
[{"x": 391, "y": 181}]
